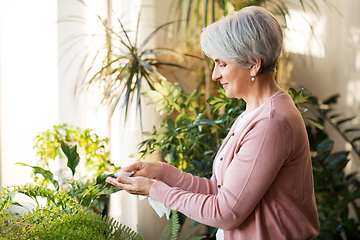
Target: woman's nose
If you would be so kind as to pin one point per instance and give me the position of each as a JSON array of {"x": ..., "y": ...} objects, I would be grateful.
[{"x": 216, "y": 74}]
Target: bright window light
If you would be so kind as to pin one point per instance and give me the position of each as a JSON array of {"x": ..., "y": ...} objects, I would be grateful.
[{"x": 304, "y": 34}]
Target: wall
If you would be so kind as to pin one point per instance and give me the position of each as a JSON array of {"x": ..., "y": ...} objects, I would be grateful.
[
  {"x": 332, "y": 65},
  {"x": 29, "y": 96}
]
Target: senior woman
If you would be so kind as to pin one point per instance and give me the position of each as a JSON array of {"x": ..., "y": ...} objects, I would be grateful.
[{"x": 262, "y": 182}]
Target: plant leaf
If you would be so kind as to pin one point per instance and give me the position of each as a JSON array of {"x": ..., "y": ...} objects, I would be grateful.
[
  {"x": 72, "y": 155},
  {"x": 316, "y": 124},
  {"x": 351, "y": 130},
  {"x": 102, "y": 177},
  {"x": 324, "y": 148},
  {"x": 45, "y": 173},
  {"x": 344, "y": 120},
  {"x": 332, "y": 99}
]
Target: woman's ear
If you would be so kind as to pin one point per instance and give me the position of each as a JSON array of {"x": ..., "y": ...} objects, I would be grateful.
[{"x": 255, "y": 68}]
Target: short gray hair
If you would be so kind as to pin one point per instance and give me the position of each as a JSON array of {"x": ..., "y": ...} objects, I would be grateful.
[{"x": 244, "y": 36}]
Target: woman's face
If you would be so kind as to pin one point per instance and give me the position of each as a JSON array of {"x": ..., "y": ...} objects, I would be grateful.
[{"x": 235, "y": 80}]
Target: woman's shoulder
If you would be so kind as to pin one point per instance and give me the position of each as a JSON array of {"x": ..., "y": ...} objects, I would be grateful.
[{"x": 279, "y": 108}]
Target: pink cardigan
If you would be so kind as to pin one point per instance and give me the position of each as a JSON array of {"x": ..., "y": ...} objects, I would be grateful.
[{"x": 265, "y": 185}]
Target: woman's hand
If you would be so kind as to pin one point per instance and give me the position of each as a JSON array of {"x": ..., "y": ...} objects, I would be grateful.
[
  {"x": 144, "y": 169},
  {"x": 132, "y": 185}
]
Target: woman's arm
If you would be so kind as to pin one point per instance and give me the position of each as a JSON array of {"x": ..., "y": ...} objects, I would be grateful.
[{"x": 175, "y": 177}]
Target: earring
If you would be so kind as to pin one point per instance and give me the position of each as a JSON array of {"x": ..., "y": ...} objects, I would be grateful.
[{"x": 253, "y": 78}]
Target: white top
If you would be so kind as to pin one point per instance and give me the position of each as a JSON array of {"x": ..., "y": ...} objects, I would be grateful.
[{"x": 242, "y": 120}]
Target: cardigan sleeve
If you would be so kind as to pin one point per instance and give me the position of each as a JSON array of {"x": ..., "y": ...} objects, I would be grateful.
[
  {"x": 263, "y": 150},
  {"x": 175, "y": 177}
]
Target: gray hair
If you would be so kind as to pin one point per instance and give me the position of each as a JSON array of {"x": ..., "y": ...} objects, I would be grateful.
[{"x": 244, "y": 36}]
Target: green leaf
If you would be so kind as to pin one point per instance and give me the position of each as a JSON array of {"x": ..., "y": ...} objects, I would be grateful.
[
  {"x": 337, "y": 161},
  {"x": 351, "y": 130},
  {"x": 324, "y": 148},
  {"x": 170, "y": 123},
  {"x": 335, "y": 115},
  {"x": 355, "y": 139},
  {"x": 151, "y": 69},
  {"x": 356, "y": 194},
  {"x": 292, "y": 92},
  {"x": 215, "y": 100},
  {"x": 332, "y": 99},
  {"x": 102, "y": 177},
  {"x": 300, "y": 98},
  {"x": 72, "y": 155},
  {"x": 45, "y": 173},
  {"x": 316, "y": 123},
  {"x": 198, "y": 166},
  {"x": 344, "y": 120},
  {"x": 153, "y": 95}
]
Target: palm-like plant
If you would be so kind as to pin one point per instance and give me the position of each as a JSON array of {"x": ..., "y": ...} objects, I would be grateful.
[
  {"x": 121, "y": 64},
  {"x": 194, "y": 15}
]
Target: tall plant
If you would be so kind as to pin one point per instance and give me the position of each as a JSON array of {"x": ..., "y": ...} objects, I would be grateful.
[
  {"x": 193, "y": 16},
  {"x": 336, "y": 190},
  {"x": 122, "y": 64}
]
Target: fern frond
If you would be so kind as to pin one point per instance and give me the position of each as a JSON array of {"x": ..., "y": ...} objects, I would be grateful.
[
  {"x": 166, "y": 234},
  {"x": 175, "y": 228},
  {"x": 54, "y": 198},
  {"x": 55, "y": 224},
  {"x": 139, "y": 232}
]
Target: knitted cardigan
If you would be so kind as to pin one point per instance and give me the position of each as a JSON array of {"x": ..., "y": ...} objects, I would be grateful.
[{"x": 265, "y": 185}]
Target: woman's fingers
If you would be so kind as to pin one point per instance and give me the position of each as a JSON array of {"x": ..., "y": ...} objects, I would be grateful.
[
  {"x": 144, "y": 169},
  {"x": 133, "y": 167},
  {"x": 133, "y": 185}
]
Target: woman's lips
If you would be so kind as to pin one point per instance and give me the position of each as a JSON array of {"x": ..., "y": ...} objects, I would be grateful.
[{"x": 224, "y": 85}]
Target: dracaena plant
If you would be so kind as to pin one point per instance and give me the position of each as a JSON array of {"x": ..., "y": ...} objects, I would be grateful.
[
  {"x": 122, "y": 63},
  {"x": 193, "y": 16}
]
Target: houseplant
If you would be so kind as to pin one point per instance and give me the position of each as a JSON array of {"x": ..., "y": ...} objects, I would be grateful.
[
  {"x": 93, "y": 149},
  {"x": 190, "y": 141},
  {"x": 121, "y": 65},
  {"x": 63, "y": 216},
  {"x": 336, "y": 190}
]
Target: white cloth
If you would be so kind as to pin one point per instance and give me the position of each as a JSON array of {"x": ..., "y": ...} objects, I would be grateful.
[
  {"x": 220, "y": 232},
  {"x": 159, "y": 207},
  {"x": 123, "y": 174}
]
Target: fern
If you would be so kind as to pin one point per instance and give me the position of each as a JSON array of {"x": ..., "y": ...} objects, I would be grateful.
[
  {"x": 167, "y": 231},
  {"x": 43, "y": 224},
  {"x": 61, "y": 218},
  {"x": 54, "y": 198},
  {"x": 175, "y": 228},
  {"x": 172, "y": 228}
]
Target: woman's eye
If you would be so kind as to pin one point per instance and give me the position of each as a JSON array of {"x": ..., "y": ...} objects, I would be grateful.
[{"x": 223, "y": 65}]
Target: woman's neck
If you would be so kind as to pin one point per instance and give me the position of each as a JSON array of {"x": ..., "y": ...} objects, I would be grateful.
[{"x": 264, "y": 87}]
